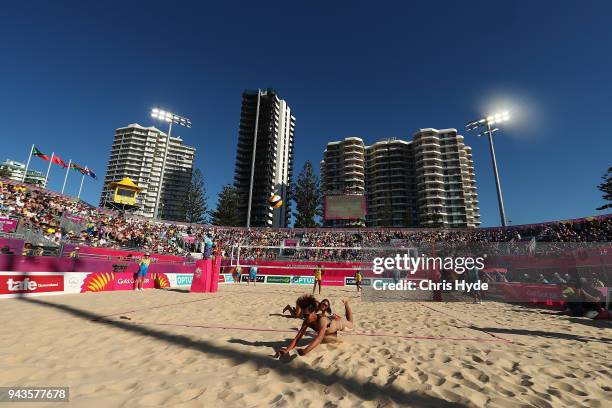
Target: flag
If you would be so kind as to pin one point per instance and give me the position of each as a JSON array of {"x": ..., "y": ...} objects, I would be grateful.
[
  {"x": 90, "y": 173},
  {"x": 78, "y": 168},
  {"x": 40, "y": 154},
  {"x": 59, "y": 161}
]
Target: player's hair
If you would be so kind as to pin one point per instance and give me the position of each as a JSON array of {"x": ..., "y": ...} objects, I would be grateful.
[{"x": 307, "y": 303}]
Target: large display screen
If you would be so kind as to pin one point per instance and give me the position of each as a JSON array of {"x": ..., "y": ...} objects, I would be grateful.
[{"x": 345, "y": 207}]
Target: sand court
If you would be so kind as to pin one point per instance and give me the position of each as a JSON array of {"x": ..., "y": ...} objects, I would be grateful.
[{"x": 171, "y": 348}]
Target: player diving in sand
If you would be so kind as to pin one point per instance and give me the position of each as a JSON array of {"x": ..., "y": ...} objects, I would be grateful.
[
  {"x": 324, "y": 306},
  {"x": 326, "y": 327}
]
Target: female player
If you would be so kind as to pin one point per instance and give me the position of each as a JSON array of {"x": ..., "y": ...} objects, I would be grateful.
[
  {"x": 318, "y": 277},
  {"x": 324, "y": 326},
  {"x": 142, "y": 271},
  {"x": 358, "y": 280},
  {"x": 324, "y": 307}
]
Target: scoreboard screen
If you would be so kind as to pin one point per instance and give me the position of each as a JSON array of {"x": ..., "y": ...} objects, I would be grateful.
[{"x": 345, "y": 207}]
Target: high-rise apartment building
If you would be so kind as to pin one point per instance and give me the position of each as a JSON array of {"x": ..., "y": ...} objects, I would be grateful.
[
  {"x": 13, "y": 170},
  {"x": 428, "y": 181},
  {"x": 138, "y": 153},
  {"x": 266, "y": 130},
  {"x": 342, "y": 172},
  {"x": 390, "y": 184}
]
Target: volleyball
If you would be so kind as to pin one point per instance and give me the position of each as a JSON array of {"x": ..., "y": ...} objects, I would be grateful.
[{"x": 275, "y": 201}]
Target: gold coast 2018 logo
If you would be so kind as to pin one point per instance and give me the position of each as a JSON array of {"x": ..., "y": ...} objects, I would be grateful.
[{"x": 98, "y": 282}]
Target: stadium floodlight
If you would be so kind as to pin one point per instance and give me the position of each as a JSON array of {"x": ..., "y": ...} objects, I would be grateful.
[
  {"x": 487, "y": 125},
  {"x": 169, "y": 118}
]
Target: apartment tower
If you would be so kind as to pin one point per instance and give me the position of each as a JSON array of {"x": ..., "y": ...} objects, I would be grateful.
[
  {"x": 138, "y": 152},
  {"x": 426, "y": 182},
  {"x": 264, "y": 157}
]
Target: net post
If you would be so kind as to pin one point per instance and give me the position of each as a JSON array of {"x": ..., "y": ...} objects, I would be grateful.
[{"x": 437, "y": 293}]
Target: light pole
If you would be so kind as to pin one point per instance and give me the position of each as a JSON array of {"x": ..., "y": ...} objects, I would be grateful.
[
  {"x": 487, "y": 123},
  {"x": 250, "y": 202},
  {"x": 170, "y": 118}
]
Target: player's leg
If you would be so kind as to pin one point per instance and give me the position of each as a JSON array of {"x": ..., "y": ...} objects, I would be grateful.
[{"x": 348, "y": 314}]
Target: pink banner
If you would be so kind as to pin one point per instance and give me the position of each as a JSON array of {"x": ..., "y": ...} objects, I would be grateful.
[
  {"x": 102, "y": 282},
  {"x": 14, "y": 245},
  {"x": 74, "y": 218},
  {"x": 8, "y": 224}
]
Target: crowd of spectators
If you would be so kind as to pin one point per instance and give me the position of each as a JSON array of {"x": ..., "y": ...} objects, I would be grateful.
[{"x": 62, "y": 219}]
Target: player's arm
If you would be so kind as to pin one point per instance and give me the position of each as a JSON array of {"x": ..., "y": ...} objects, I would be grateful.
[
  {"x": 297, "y": 338},
  {"x": 314, "y": 343}
]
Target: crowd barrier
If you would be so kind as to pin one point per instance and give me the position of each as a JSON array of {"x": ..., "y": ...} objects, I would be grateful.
[
  {"x": 120, "y": 253},
  {"x": 29, "y": 275}
]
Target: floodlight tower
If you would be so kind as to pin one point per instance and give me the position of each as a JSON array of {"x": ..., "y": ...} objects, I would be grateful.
[
  {"x": 170, "y": 118},
  {"x": 487, "y": 123}
]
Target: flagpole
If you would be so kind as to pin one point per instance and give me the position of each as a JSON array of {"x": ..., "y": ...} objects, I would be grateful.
[
  {"x": 48, "y": 170},
  {"x": 80, "y": 188},
  {"x": 25, "y": 173},
  {"x": 66, "y": 176}
]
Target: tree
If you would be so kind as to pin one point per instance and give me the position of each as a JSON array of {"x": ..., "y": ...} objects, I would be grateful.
[
  {"x": 606, "y": 189},
  {"x": 5, "y": 172},
  {"x": 307, "y": 196},
  {"x": 226, "y": 213},
  {"x": 195, "y": 205}
]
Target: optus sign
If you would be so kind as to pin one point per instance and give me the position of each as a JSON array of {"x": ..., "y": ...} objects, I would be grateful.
[
  {"x": 302, "y": 280},
  {"x": 15, "y": 284},
  {"x": 184, "y": 280}
]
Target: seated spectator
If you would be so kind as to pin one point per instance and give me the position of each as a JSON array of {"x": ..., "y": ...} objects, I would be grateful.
[
  {"x": 74, "y": 254},
  {"x": 27, "y": 250},
  {"x": 558, "y": 279}
]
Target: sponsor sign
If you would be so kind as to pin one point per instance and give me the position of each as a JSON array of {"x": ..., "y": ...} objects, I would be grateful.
[
  {"x": 348, "y": 281},
  {"x": 226, "y": 278},
  {"x": 16, "y": 284},
  {"x": 278, "y": 279},
  {"x": 302, "y": 280},
  {"x": 73, "y": 281},
  {"x": 184, "y": 280},
  {"x": 258, "y": 278}
]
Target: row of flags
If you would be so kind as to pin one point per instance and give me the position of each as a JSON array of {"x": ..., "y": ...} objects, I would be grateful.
[
  {"x": 54, "y": 159},
  {"x": 58, "y": 160}
]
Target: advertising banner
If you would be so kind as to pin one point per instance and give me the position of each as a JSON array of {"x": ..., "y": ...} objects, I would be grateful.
[
  {"x": 226, "y": 278},
  {"x": 25, "y": 284},
  {"x": 278, "y": 279},
  {"x": 348, "y": 281},
  {"x": 183, "y": 279},
  {"x": 302, "y": 280},
  {"x": 259, "y": 278}
]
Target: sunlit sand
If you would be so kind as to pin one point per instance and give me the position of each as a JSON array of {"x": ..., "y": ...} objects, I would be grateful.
[{"x": 172, "y": 348}]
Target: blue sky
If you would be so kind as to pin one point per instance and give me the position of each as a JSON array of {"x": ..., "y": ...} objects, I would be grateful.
[{"x": 71, "y": 72}]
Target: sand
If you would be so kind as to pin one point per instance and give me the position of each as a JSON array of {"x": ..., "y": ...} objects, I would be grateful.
[{"x": 173, "y": 349}]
